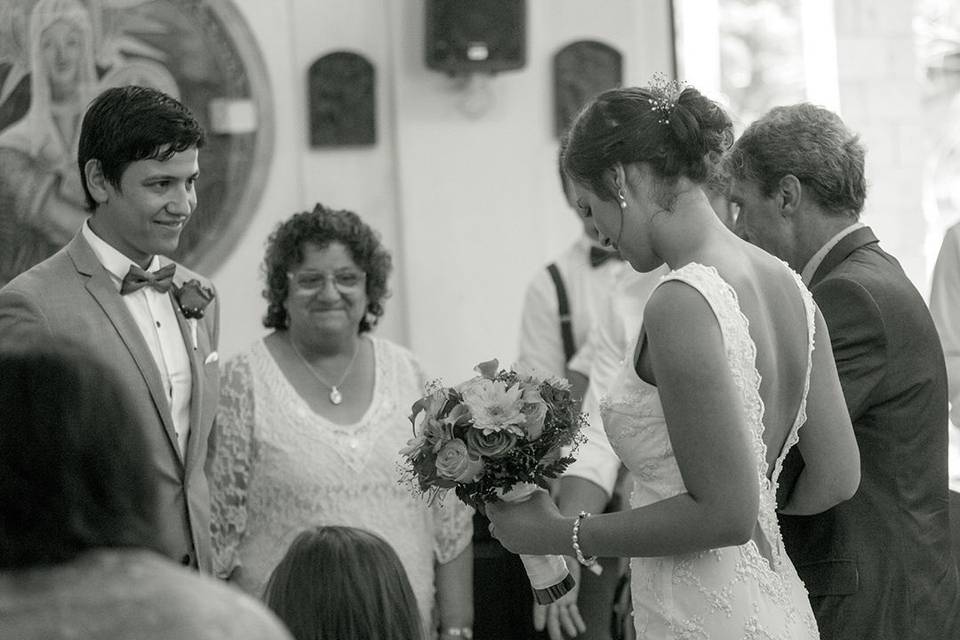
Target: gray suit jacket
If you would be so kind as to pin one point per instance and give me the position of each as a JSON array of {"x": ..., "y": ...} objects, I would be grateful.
[
  {"x": 879, "y": 565},
  {"x": 71, "y": 294}
]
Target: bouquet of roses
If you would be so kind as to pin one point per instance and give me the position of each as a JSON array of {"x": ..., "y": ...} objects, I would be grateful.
[{"x": 499, "y": 435}]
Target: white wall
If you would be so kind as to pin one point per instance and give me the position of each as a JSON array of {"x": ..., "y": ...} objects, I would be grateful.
[
  {"x": 880, "y": 98},
  {"x": 481, "y": 203},
  {"x": 470, "y": 206}
]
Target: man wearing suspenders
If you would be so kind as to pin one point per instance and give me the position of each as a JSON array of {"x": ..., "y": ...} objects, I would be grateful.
[{"x": 560, "y": 307}]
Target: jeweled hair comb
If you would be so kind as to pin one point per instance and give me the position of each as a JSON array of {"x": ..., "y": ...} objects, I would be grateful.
[{"x": 666, "y": 92}]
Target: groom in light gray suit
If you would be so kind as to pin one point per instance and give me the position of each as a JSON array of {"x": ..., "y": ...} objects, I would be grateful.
[{"x": 151, "y": 319}]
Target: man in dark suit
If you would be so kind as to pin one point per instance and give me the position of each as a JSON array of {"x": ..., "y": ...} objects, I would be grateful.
[
  {"x": 878, "y": 566},
  {"x": 153, "y": 321}
]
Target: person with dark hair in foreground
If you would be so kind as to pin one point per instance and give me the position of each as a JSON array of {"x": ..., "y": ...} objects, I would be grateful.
[
  {"x": 878, "y": 566},
  {"x": 343, "y": 583},
  {"x": 78, "y": 514},
  {"x": 687, "y": 413},
  {"x": 153, "y": 321}
]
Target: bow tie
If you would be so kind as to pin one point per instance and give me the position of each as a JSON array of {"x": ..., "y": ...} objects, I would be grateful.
[
  {"x": 599, "y": 255},
  {"x": 137, "y": 278}
]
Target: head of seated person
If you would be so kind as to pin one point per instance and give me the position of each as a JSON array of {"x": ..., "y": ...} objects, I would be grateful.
[
  {"x": 344, "y": 583},
  {"x": 73, "y": 473}
]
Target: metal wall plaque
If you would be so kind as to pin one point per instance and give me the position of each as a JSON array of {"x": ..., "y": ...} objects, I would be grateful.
[
  {"x": 341, "y": 92},
  {"x": 581, "y": 70}
]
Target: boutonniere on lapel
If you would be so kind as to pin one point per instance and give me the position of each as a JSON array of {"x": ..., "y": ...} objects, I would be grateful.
[{"x": 193, "y": 298}]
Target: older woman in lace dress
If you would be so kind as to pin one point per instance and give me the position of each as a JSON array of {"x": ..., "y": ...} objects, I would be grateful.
[{"x": 312, "y": 419}]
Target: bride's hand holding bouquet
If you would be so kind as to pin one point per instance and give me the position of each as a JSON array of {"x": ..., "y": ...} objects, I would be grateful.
[{"x": 499, "y": 436}]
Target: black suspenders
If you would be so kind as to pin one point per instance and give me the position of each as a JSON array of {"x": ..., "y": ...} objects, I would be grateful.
[{"x": 563, "y": 307}]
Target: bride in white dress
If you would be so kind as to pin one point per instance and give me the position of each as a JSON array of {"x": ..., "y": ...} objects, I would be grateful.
[{"x": 732, "y": 360}]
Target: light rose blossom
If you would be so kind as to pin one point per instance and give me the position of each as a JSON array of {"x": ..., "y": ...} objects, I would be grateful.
[
  {"x": 535, "y": 411},
  {"x": 455, "y": 463},
  {"x": 494, "y": 444},
  {"x": 533, "y": 426}
]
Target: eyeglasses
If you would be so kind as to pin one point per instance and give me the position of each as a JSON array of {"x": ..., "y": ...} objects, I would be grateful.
[{"x": 344, "y": 281}]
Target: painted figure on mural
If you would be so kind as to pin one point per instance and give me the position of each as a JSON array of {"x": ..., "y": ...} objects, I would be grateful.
[{"x": 41, "y": 200}]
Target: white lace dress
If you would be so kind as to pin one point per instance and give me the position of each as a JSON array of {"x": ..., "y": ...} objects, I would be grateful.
[
  {"x": 732, "y": 593},
  {"x": 280, "y": 468}
]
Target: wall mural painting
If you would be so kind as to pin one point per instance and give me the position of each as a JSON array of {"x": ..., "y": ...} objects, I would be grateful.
[{"x": 57, "y": 55}]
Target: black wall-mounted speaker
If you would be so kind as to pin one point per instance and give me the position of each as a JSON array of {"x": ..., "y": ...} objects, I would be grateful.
[{"x": 468, "y": 36}]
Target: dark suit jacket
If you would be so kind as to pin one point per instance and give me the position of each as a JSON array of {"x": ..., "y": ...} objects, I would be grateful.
[
  {"x": 71, "y": 294},
  {"x": 879, "y": 566}
]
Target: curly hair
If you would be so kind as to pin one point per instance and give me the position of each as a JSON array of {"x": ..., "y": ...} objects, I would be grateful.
[
  {"x": 321, "y": 227},
  {"x": 682, "y": 136},
  {"x": 810, "y": 143}
]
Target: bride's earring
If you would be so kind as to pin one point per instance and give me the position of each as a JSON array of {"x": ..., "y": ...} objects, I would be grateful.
[{"x": 623, "y": 208}]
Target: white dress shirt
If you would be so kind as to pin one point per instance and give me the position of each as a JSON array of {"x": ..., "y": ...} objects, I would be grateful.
[
  {"x": 945, "y": 309},
  {"x": 541, "y": 345},
  {"x": 156, "y": 318},
  {"x": 810, "y": 269},
  {"x": 612, "y": 340}
]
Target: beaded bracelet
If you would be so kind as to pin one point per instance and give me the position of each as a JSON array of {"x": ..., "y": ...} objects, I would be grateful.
[
  {"x": 587, "y": 562},
  {"x": 457, "y": 632}
]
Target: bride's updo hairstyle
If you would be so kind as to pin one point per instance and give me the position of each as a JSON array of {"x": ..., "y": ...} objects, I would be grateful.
[{"x": 676, "y": 130}]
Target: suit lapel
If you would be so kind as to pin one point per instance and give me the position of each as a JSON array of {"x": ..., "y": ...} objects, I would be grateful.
[
  {"x": 847, "y": 245},
  {"x": 196, "y": 370},
  {"x": 104, "y": 291}
]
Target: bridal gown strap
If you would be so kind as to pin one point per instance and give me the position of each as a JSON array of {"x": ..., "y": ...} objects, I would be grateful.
[{"x": 731, "y": 593}]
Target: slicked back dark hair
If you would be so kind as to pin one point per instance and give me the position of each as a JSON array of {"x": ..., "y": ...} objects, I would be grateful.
[
  {"x": 629, "y": 125},
  {"x": 73, "y": 464},
  {"x": 127, "y": 124},
  {"x": 321, "y": 227},
  {"x": 343, "y": 583},
  {"x": 810, "y": 143}
]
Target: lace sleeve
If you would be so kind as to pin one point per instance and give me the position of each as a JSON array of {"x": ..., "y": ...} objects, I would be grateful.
[
  {"x": 452, "y": 527},
  {"x": 231, "y": 465}
]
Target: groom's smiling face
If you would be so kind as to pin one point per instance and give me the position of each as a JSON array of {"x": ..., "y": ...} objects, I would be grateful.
[{"x": 145, "y": 214}]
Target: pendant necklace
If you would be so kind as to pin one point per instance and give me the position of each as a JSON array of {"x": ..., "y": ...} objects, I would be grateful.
[{"x": 335, "y": 396}]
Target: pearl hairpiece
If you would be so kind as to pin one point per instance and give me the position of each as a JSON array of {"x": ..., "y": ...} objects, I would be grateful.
[{"x": 666, "y": 93}]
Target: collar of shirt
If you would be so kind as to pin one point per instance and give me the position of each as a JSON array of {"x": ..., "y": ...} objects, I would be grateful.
[
  {"x": 584, "y": 242},
  {"x": 814, "y": 262},
  {"x": 112, "y": 260}
]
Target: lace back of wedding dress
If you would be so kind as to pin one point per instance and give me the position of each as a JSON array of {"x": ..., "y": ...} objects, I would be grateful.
[
  {"x": 744, "y": 592},
  {"x": 742, "y": 354}
]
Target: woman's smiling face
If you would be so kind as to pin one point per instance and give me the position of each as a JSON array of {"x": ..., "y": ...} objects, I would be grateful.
[{"x": 335, "y": 299}]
